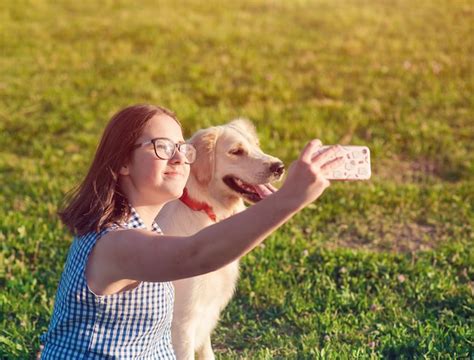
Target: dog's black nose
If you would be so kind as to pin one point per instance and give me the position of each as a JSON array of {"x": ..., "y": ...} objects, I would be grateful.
[{"x": 277, "y": 168}]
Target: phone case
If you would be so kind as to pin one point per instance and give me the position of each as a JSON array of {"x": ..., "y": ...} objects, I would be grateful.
[{"x": 356, "y": 165}]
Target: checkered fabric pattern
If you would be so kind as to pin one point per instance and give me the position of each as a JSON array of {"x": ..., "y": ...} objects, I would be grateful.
[{"x": 134, "y": 324}]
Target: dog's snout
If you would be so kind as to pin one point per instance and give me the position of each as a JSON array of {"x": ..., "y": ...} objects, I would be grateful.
[{"x": 277, "y": 168}]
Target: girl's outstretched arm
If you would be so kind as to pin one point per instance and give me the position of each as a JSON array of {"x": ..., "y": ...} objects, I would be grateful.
[{"x": 142, "y": 256}]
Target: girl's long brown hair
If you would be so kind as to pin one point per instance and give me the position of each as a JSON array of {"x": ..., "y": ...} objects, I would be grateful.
[{"x": 98, "y": 201}]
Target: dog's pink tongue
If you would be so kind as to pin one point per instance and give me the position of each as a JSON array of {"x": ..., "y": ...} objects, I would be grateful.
[{"x": 264, "y": 190}]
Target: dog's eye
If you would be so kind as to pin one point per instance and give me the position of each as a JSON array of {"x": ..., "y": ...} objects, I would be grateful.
[{"x": 238, "y": 151}]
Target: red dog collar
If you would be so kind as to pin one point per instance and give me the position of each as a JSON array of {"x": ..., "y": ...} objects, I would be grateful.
[{"x": 197, "y": 206}]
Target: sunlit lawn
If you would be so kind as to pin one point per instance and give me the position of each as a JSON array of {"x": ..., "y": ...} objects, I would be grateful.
[{"x": 381, "y": 269}]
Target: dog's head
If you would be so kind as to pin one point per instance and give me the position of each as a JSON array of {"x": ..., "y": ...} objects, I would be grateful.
[{"x": 230, "y": 162}]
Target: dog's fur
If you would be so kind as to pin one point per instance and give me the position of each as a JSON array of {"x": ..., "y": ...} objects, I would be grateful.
[{"x": 231, "y": 149}]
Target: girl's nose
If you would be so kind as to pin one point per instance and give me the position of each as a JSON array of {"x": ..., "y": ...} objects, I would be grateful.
[{"x": 178, "y": 158}]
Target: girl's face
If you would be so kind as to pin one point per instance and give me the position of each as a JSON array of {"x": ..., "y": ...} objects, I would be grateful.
[{"x": 148, "y": 180}]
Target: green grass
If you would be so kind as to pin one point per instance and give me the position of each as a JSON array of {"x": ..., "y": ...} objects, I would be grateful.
[{"x": 380, "y": 269}]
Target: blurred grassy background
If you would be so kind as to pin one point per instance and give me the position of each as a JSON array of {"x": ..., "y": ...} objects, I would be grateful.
[{"x": 375, "y": 269}]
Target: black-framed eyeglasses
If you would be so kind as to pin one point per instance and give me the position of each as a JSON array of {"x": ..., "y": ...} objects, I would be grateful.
[{"x": 166, "y": 148}]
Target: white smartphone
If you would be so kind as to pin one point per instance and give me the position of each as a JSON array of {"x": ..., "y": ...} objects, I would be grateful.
[{"x": 356, "y": 164}]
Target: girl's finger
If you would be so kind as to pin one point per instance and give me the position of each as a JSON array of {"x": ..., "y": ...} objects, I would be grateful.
[
  {"x": 332, "y": 164},
  {"x": 326, "y": 155},
  {"x": 310, "y": 148}
]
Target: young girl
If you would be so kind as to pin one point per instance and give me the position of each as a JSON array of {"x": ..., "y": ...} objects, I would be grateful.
[{"x": 115, "y": 297}]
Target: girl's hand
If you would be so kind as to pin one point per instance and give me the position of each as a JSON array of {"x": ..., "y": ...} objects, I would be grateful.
[{"x": 306, "y": 178}]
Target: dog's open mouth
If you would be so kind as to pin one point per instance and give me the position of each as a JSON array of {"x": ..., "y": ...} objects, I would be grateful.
[{"x": 250, "y": 192}]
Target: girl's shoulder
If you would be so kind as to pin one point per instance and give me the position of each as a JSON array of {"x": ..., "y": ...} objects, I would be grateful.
[
  {"x": 95, "y": 235},
  {"x": 134, "y": 222}
]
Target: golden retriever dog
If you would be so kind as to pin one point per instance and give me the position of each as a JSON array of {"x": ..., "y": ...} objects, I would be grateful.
[{"x": 230, "y": 167}]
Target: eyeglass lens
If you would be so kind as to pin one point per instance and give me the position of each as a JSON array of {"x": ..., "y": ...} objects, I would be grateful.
[{"x": 165, "y": 150}]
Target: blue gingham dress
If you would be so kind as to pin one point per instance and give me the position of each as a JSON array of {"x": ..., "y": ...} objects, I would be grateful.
[{"x": 134, "y": 324}]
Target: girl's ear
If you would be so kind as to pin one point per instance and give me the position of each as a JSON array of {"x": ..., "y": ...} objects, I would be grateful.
[{"x": 124, "y": 170}]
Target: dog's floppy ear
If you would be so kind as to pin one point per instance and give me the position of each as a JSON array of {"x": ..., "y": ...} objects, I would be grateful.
[{"x": 205, "y": 142}]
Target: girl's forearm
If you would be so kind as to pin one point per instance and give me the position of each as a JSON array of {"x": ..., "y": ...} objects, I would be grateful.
[{"x": 228, "y": 240}]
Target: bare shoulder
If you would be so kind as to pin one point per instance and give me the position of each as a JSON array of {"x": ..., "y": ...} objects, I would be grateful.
[
  {"x": 110, "y": 256},
  {"x": 119, "y": 246},
  {"x": 141, "y": 255},
  {"x": 125, "y": 237}
]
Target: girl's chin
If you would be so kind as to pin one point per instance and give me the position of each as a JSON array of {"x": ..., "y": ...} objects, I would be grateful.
[{"x": 175, "y": 191}]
